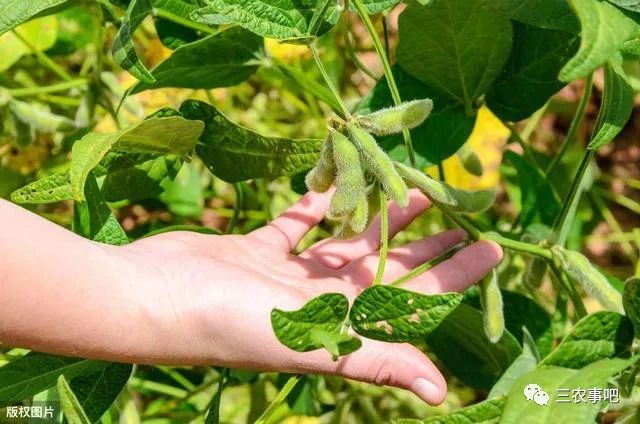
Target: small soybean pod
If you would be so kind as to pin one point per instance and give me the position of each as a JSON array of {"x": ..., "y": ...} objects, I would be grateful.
[
  {"x": 360, "y": 216},
  {"x": 405, "y": 116},
  {"x": 320, "y": 178},
  {"x": 491, "y": 301},
  {"x": 350, "y": 183},
  {"x": 380, "y": 165}
]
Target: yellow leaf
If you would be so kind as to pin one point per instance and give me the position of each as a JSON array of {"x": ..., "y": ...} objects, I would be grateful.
[
  {"x": 287, "y": 53},
  {"x": 487, "y": 140},
  {"x": 41, "y": 34}
]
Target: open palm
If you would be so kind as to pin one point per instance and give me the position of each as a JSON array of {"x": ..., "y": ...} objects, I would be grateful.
[{"x": 213, "y": 295}]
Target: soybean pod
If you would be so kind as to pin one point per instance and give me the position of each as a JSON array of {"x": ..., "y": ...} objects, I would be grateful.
[
  {"x": 320, "y": 178},
  {"x": 350, "y": 183},
  {"x": 380, "y": 165},
  {"x": 393, "y": 120},
  {"x": 491, "y": 301}
]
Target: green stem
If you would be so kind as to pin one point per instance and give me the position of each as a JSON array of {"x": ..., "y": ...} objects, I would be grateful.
[
  {"x": 34, "y": 91},
  {"x": 43, "y": 58},
  {"x": 528, "y": 152},
  {"x": 345, "y": 112},
  {"x": 354, "y": 56},
  {"x": 611, "y": 220},
  {"x": 237, "y": 208},
  {"x": 461, "y": 221},
  {"x": 164, "y": 14},
  {"x": 562, "y": 222},
  {"x": 518, "y": 246},
  {"x": 621, "y": 200},
  {"x": 573, "y": 128},
  {"x": 384, "y": 237},
  {"x": 280, "y": 398},
  {"x": 391, "y": 82},
  {"x": 533, "y": 122},
  {"x": 428, "y": 265}
]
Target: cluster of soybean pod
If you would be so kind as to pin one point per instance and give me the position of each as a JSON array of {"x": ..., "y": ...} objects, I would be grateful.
[
  {"x": 352, "y": 160},
  {"x": 351, "y": 156}
]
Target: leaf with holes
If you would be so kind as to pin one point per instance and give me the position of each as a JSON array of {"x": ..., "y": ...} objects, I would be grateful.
[{"x": 396, "y": 315}]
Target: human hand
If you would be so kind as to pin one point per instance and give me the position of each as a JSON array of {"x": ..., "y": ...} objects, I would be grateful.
[{"x": 207, "y": 299}]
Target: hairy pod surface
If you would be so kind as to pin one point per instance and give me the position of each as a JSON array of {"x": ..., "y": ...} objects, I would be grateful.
[
  {"x": 350, "y": 183},
  {"x": 320, "y": 178},
  {"x": 393, "y": 120},
  {"x": 380, "y": 165},
  {"x": 491, "y": 301},
  {"x": 534, "y": 273},
  {"x": 461, "y": 201},
  {"x": 360, "y": 216},
  {"x": 470, "y": 161},
  {"x": 580, "y": 270}
]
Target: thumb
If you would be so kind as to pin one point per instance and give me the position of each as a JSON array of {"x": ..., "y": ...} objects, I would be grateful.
[{"x": 397, "y": 365}]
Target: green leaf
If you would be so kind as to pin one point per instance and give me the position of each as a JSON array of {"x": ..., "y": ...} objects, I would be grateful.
[
  {"x": 174, "y": 135},
  {"x": 50, "y": 189},
  {"x": 40, "y": 34},
  {"x": 98, "y": 391},
  {"x": 234, "y": 153},
  {"x": 16, "y": 12},
  {"x": 280, "y": 19},
  {"x": 522, "y": 316},
  {"x": 458, "y": 200},
  {"x": 94, "y": 220},
  {"x": 632, "y": 5},
  {"x": 377, "y": 6},
  {"x": 319, "y": 323},
  {"x": 535, "y": 190},
  {"x": 617, "y": 105},
  {"x": 631, "y": 301},
  {"x": 219, "y": 60},
  {"x": 72, "y": 409},
  {"x": 519, "y": 410},
  {"x": 525, "y": 363},
  {"x": 605, "y": 28},
  {"x": 531, "y": 71},
  {"x": 35, "y": 372},
  {"x": 123, "y": 50},
  {"x": 582, "y": 272},
  {"x": 549, "y": 14},
  {"x": 136, "y": 176},
  {"x": 484, "y": 412},
  {"x": 463, "y": 51},
  {"x": 461, "y": 345},
  {"x": 171, "y": 34},
  {"x": 600, "y": 335},
  {"x": 184, "y": 195},
  {"x": 393, "y": 314},
  {"x": 439, "y": 137}
]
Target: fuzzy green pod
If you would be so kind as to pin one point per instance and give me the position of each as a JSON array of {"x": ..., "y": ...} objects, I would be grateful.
[
  {"x": 470, "y": 161},
  {"x": 580, "y": 270},
  {"x": 350, "y": 183},
  {"x": 360, "y": 216},
  {"x": 534, "y": 273},
  {"x": 320, "y": 178},
  {"x": 393, "y": 120},
  {"x": 460, "y": 201},
  {"x": 380, "y": 165},
  {"x": 491, "y": 301}
]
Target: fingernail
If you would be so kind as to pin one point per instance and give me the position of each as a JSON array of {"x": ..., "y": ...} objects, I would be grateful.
[{"x": 427, "y": 391}]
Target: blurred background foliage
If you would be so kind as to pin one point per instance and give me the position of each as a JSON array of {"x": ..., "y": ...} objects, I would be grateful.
[{"x": 38, "y": 126}]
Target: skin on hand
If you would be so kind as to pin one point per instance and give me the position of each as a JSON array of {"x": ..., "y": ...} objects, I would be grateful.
[{"x": 194, "y": 299}]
